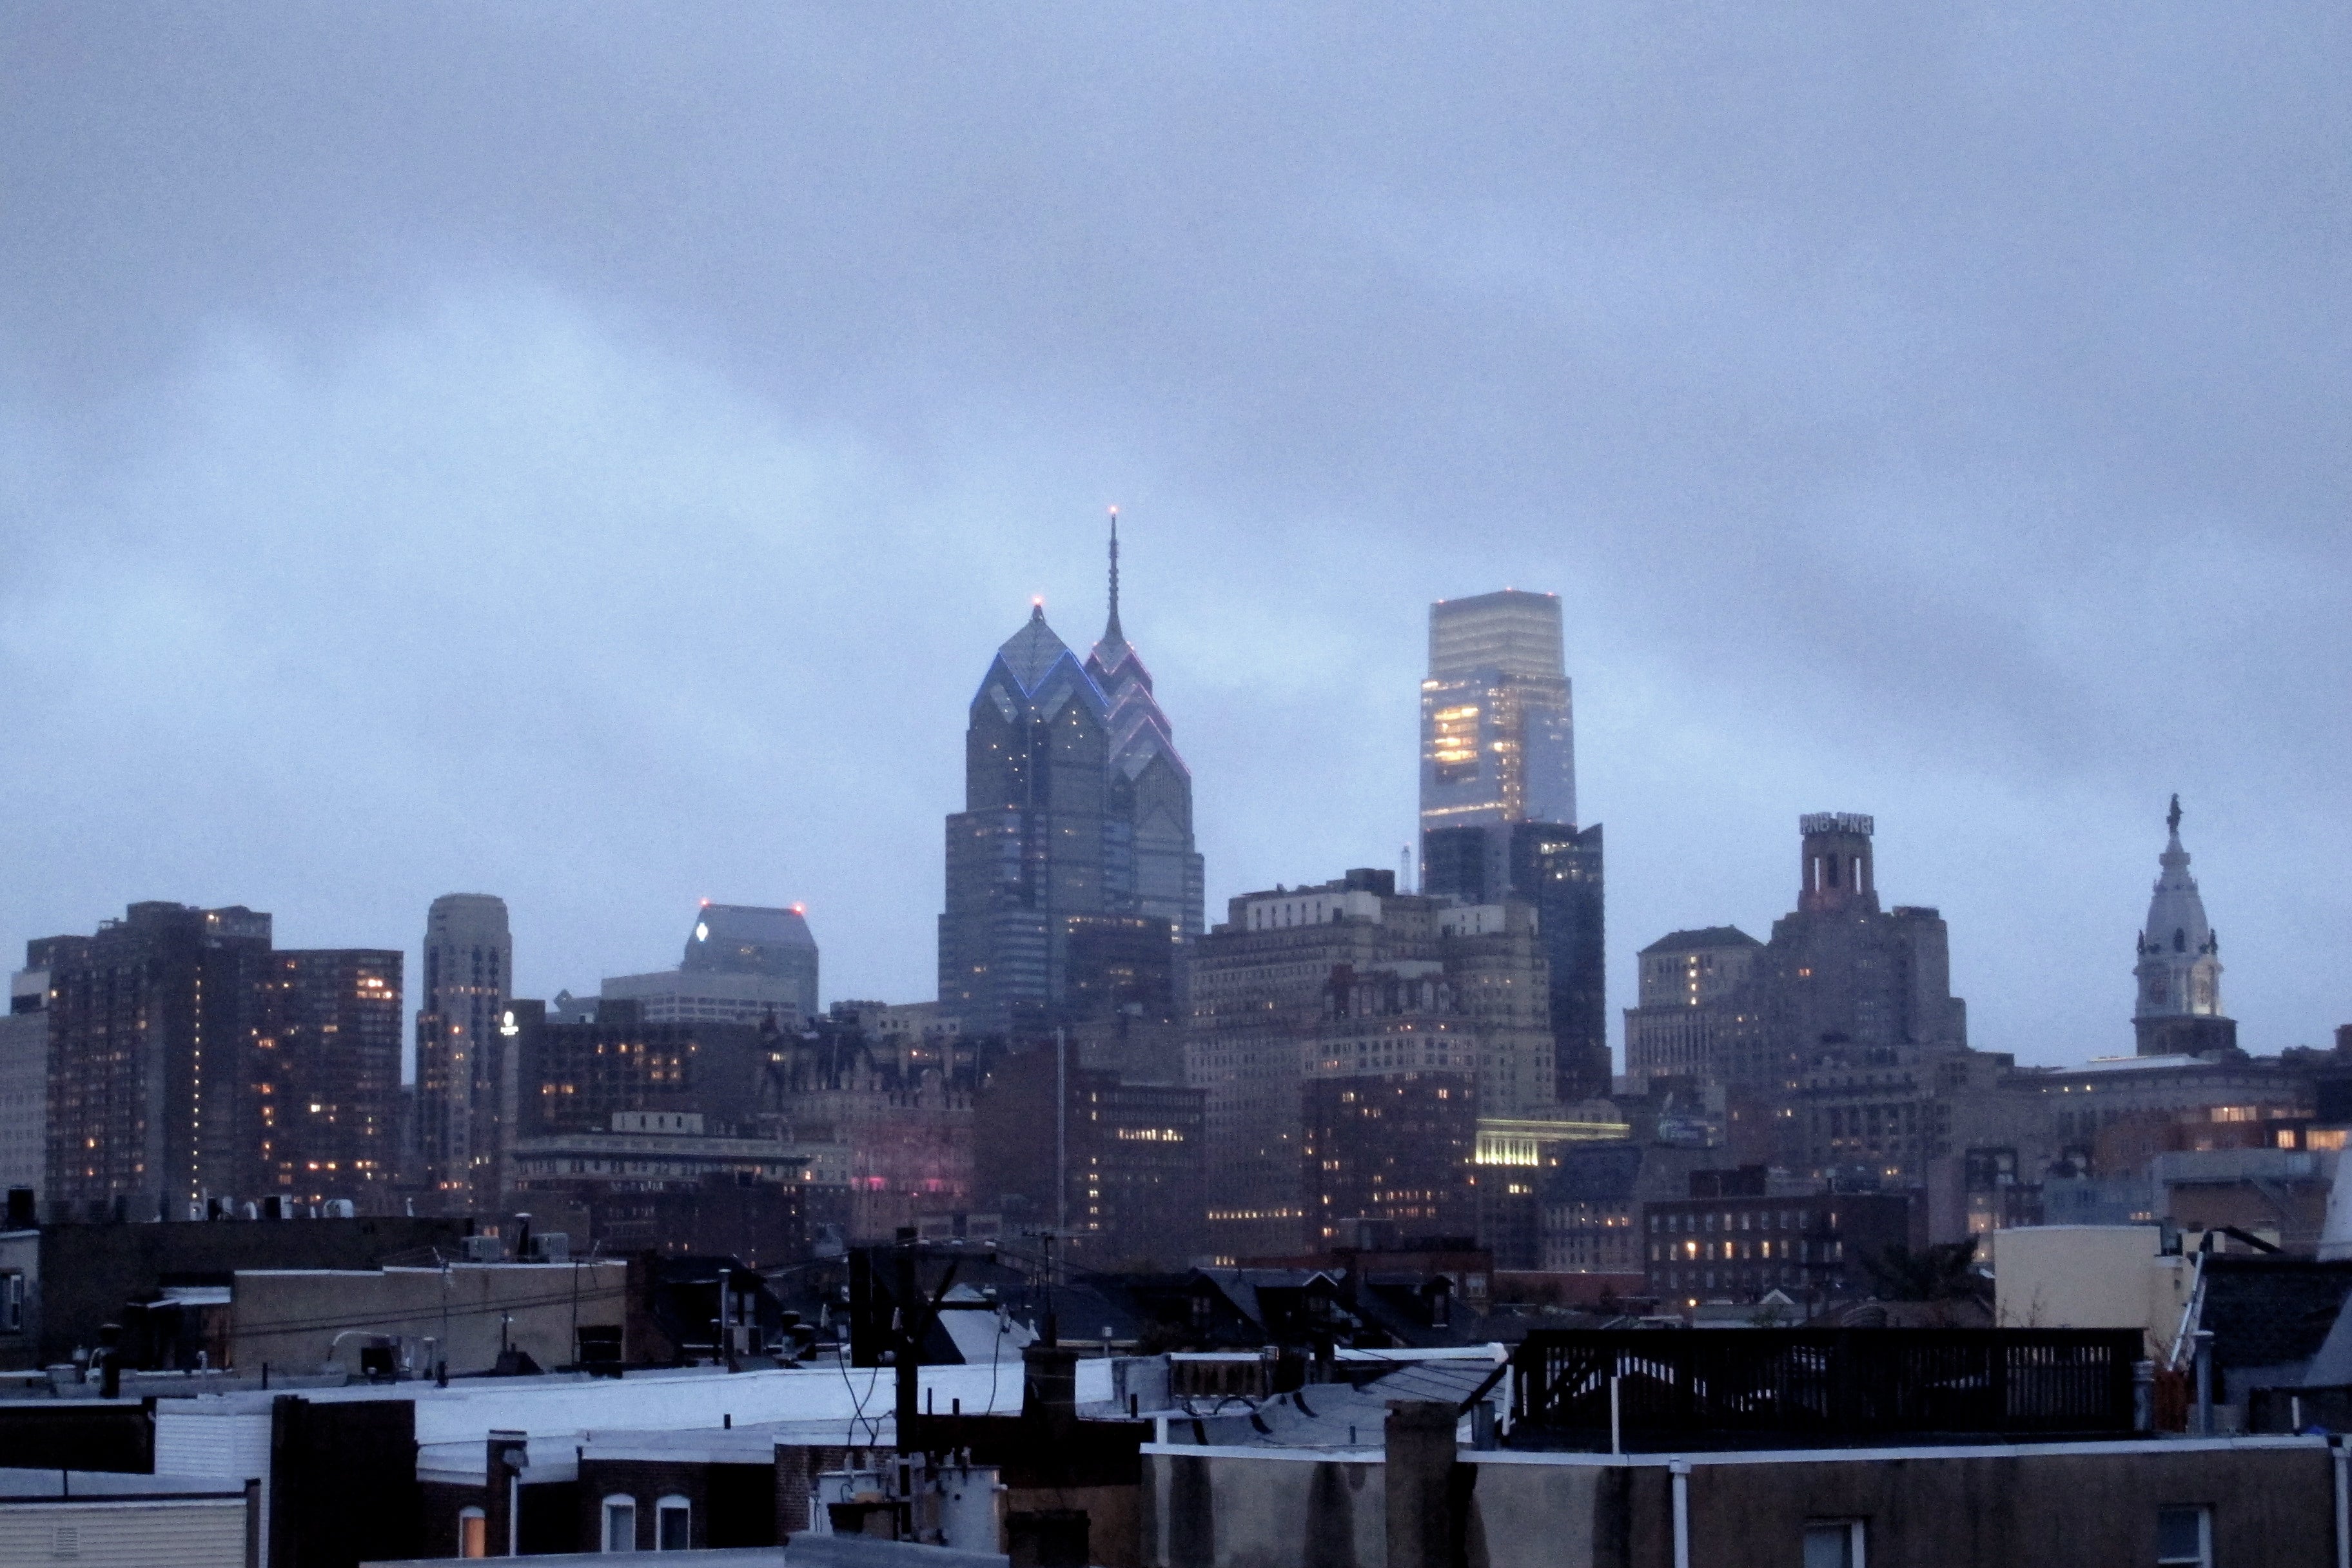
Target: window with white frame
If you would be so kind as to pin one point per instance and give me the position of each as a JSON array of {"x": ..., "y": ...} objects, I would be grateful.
[
  {"x": 2184, "y": 1538},
  {"x": 11, "y": 1303},
  {"x": 620, "y": 1522},
  {"x": 673, "y": 1525},
  {"x": 1835, "y": 1544},
  {"x": 473, "y": 1533}
]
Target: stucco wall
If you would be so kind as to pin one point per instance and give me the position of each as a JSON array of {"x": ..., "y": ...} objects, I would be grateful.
[
  {"x": 2086, "y": 1510},
  {"x": 2094, "y": 1505},
  {"x": 1545, "y": 1516},
  {"x": 1211, "y": 1511},
  {"x": 2088, "y": 1276},
  {"x": 293, "y": 1318}
]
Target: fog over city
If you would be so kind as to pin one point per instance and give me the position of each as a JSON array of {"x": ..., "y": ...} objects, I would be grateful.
[{"x": 591, "y": 455}]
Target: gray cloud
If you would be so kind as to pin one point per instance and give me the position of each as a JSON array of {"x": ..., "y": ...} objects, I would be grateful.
[{"x": 589, "y": 456}]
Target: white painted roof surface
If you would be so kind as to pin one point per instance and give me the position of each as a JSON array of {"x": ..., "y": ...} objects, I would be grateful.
[{"x": 470, "y": 1408}]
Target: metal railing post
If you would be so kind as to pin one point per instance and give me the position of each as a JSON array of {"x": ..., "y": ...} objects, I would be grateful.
[{"x": 1680, "y": 1470}]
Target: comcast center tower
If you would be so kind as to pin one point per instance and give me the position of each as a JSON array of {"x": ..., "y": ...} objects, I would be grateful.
[{"x": 1498, "y": 803}]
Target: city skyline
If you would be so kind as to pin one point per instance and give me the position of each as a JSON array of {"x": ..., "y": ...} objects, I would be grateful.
[
  {"x": 776, "y": 771},
  {"x": 1623, "y": 947},
  {"x": 453, "y": 496}
]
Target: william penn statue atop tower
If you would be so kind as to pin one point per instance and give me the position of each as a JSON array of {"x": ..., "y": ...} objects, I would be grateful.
[{"x": 2180, "y": 964}]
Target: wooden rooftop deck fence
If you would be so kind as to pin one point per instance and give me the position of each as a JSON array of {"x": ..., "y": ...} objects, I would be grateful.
[{"x": 1739, "y": 1387}]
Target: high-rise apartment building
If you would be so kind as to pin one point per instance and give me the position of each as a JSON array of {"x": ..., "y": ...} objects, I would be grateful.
[
  {"x": 466, "y": 1087},
  {"x": 664, "y": 1134},
  {"x": 1258, "y": 996},
  {"x": 151, "y": 1024},
  {"x": 1498, "y": 980},
  {"x": 24, "y": 1083},
  {"x": 2178, "y": 971},
  {"x": 1498, "y": 803},
  {"x": 572, "y": 1077},
  {"x": 190, "y": 1061},
  {"x": 326, "y": 1076},
  {"x": 1075, "y": 805}
]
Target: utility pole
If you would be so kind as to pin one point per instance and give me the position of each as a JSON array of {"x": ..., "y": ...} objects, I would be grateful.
[
  {"x": 1049, "y": 1331},
  {"x": 911, "y": 1317},
  {"x": 723, "y": 1348},
  {"x": 1061, "y": 1134},
  {"x": 907, "y": 1350}
]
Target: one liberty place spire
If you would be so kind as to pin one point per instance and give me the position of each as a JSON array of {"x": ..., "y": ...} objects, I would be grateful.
[
  {"x": 1112, "y": 633},
  {"x": 1151, "y": 863}
]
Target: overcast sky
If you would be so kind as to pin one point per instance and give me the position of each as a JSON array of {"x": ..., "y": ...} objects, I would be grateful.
[{"x": 590, "y": 454}]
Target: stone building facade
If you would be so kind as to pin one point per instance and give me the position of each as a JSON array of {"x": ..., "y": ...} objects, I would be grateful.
[
  {"x": 1350, "y": 979},
  {"x": 1695, "y": 1011}
]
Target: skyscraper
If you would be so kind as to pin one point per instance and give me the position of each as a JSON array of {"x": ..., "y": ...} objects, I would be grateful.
[
  {"x": 189, "y": 1061},
  {"x": 747, "y": 938},
  {"x": 1557, "y": 868},
  {"x": 743, "y": 964},
  {"x": 24, "y": 1082},
  {"x": 1693, "y": 987},
  {"x": 325, "y": 1078},
  {"x": 150, "y": 1021},
  {"x": 2179, "y": 965},
  {"x": 1075, "y": 805},
  {"x": 1498, "y": 803},
  {"x": 464, "y": 1078},
  {"x": 1497, "y": 732},
  {"x": 1841, "y": 972},
  {"x": 1150, "y": 867},
  {"x": 1839, "y": 1044}
]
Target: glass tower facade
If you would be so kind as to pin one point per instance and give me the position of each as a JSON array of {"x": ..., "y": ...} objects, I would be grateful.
[
  {"x": 749, "y": 939},
  {"x": 1498, "y": 803},
  {"x": 1498, "y": 733},
  {"x": 1076, "y": 806}
]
